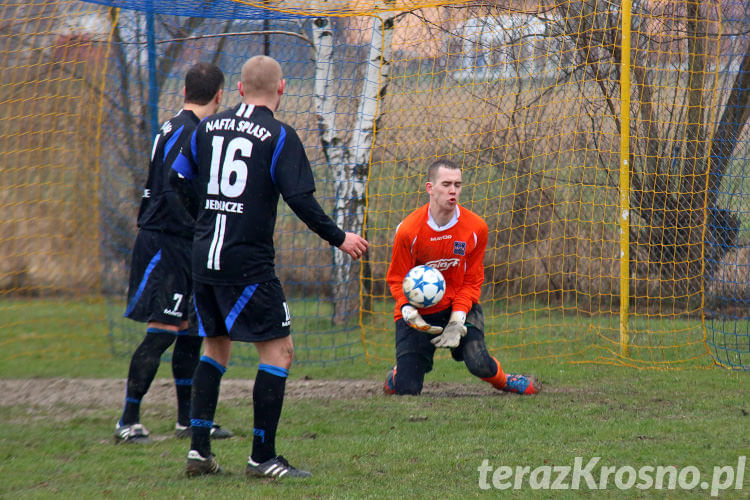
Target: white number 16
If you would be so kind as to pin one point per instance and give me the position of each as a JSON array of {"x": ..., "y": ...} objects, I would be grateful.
[{"x": 230, "y": 165}]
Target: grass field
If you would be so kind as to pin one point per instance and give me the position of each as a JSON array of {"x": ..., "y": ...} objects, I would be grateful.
[{"x": 361, "y": 444}]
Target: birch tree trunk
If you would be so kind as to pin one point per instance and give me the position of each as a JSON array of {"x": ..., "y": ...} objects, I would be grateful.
[
  {"x": 351, "y": 181},
  {"x": 350, "y": 161},
  {"x": 325, "y": 107}
]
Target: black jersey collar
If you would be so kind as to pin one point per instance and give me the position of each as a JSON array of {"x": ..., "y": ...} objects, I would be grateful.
[{"x": 190, "y": 114}]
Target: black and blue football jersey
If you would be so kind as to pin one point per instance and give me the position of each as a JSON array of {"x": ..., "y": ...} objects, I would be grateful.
[
  {"x": 160, "y": 208},
  {"x": 240, "y": 161}
]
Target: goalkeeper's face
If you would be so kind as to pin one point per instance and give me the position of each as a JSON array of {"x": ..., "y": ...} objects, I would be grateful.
[{"x": 445, "y": 189}]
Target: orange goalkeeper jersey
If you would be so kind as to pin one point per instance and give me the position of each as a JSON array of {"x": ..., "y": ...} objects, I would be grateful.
[{"x": 456, "y": 249}]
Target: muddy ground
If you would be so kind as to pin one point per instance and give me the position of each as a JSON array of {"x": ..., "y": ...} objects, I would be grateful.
[{"x": 46, "y": 392}]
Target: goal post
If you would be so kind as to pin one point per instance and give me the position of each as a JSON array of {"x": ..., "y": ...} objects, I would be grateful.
[{"x": 624, "y": 185}]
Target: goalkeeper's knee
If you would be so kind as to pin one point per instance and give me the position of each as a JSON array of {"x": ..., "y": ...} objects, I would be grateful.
[
  {"x": 408, "y": 387},
  {"x": 410, "y": 375},
  {"x": 478, "y": 360}
]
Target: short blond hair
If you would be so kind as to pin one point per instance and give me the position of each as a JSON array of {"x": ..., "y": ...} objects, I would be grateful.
[{"x": 260, "y": 76}]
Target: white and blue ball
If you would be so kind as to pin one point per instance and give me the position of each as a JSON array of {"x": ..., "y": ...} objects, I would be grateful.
[{"x": 424, "y": 286}]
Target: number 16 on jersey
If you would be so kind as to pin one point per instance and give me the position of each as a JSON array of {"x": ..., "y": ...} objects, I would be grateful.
[{"x": 228, "y": 177}]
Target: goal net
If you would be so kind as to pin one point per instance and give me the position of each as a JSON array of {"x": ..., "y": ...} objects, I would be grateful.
[{"x": 612, "y": 180}]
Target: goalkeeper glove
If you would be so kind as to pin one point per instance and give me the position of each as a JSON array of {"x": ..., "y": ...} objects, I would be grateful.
[
  {"x": 454, "y": 330},
  {"x": 416, "y": 321}
]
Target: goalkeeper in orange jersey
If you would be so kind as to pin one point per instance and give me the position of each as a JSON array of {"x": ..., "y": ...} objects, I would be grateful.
[{"x": 452, "y": 239}]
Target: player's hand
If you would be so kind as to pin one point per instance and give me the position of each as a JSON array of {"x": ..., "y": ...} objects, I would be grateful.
[
  {"x": 454, "y": 330},
  {"x": 354, "y": 245},
  {"x": 415, "y": 320}
]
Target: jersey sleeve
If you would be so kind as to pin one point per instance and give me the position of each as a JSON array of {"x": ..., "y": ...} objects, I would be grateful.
[
  {"x": 471, "y": 290},
  {"x": 183, "y": 174},
  {"x": 401, "y": 261},
  {"x": 185, "y": 199},
  {"x": 290, "y": 168},
  {"x": 306, "y": 207},
  {"x": 173, "y": 145},
  {"x": 186, "y": 163},
  {"x": 183, "y": 192}
]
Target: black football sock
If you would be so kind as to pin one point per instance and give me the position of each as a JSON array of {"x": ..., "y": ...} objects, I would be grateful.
[
  {"x": 205, "y": 395},
  {"x": 268, "y": 398},
  {"x": 143, "y": 367},
  {"x": 187, "y": 352}
]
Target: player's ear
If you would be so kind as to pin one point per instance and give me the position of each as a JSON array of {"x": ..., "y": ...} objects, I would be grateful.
[
  {"x": 239, "y": 87},
  {"x": 282, "y": 85},
  {"x": 428, "y": 187}
]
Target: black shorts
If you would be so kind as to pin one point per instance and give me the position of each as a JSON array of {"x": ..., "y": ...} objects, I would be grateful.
[
  {"x": 411, "y": 341},
  {"x": 247, "y": 313},
  {"x": 160, "y": 280}
]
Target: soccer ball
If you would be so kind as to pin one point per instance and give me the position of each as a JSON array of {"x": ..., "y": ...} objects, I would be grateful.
[{"x": 424, "y": 286}]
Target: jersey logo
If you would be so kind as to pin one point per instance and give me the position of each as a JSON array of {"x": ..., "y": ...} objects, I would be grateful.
[
  {"x": 177, "y": 297},
  {"x": 287, "y": 316},
  {"x": 459, "y": 247},
  {"x": 443, "y": 264},
  {"x": 166, "y": 128}
]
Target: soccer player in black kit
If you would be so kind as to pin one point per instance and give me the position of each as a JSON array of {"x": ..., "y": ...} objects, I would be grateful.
[
  {"x": 241, "y": 160},
  {"x": 160, "y": 277}
]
